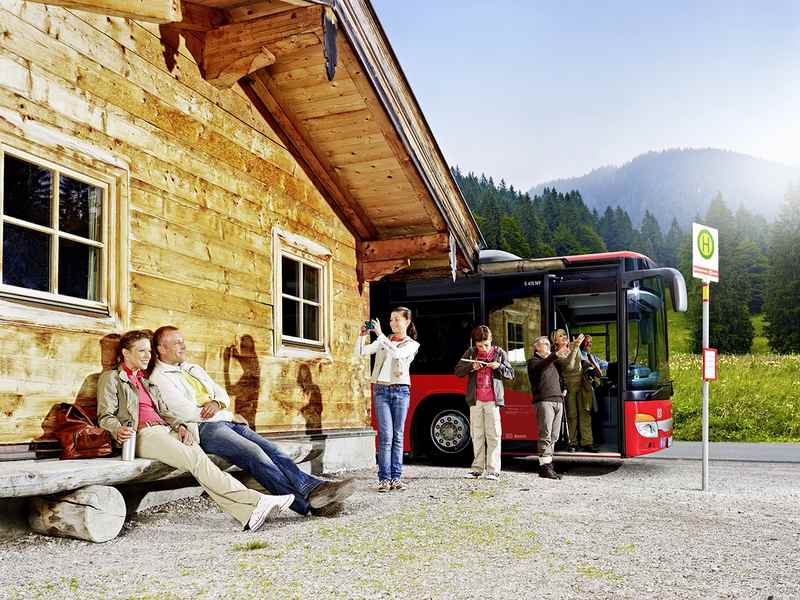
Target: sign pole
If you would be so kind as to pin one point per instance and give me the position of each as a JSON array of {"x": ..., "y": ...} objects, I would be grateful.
[{"x": 706, "y": 302}]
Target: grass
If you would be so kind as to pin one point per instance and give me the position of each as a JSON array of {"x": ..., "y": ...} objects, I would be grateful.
[
  {"x": 680, "y": 339},
  {"x": 755, "y": 399},
  {"x": 252, "y": 545}
]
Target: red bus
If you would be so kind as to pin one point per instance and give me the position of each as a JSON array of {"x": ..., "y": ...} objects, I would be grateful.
[{"x": 620, "y": 298}]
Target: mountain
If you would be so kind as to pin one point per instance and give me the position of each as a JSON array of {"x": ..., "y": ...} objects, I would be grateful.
[{"x": 681, "y": 182}]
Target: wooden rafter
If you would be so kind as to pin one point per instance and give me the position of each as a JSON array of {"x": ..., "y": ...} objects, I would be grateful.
[
  {"x": 258, "y": 89},
  {"x": 402, "y": 248},
  {"x": 369, "y": 271},
  {"x": 154, "y": 11},
  {"x": 200, "y": 18},
  {"x": 236, "y": 50}
]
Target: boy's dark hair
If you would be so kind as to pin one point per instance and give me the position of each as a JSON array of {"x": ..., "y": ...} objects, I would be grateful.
[{"x": 480, "y": 334}]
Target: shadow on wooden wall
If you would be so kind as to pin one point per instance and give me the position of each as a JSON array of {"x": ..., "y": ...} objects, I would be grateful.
[{"x": 244, "y": 393}]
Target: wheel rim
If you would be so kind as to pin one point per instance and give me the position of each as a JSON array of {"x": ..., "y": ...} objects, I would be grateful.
[{"x": 450, "y": 431}]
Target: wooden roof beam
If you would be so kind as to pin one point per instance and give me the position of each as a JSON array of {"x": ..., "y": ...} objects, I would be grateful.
[
  {"x": 258, "y": 89},
  {"x": 153, "y": 11},
  {"x": 233, "y": 51},
  {"x": 412, "y": 247},
  {"x": 200, "y": 18}
]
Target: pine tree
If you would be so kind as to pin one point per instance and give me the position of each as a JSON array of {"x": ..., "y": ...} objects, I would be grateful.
[
  {"x": 782, "y": 309},
  {"x": 651, "y": 240},
  {"x": 672, "y": 241},
  {"x": 511, "y": 238},
  {"x": 730, "y": 327}
]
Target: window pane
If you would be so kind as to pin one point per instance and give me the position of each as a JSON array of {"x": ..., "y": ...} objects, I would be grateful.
[
  {"x": 290, "y": 273},
  {"x": 78, "y": 270},
  {"x": 26, "y": 258},
  {"x": 291, "y": 317},
  {"x": 311, "y": 322},
  {"x": 80, "y": 208},
  {"x": 310, "y": 283},
  {"x": 27, "y": 191}
]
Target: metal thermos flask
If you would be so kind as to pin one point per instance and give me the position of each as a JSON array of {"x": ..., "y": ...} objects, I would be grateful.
[{"x": 129, "y": 445}]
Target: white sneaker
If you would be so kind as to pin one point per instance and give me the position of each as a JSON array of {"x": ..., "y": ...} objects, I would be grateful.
[
  {"x": 473, "y": 475},
  {"x": 268, "y": 507},
  {"x": 384, "y": 486},
  {"x": 492, "y": 476}
]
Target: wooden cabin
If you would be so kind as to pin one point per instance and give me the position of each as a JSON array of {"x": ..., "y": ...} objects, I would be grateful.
[{"x": 241, "y": 169}]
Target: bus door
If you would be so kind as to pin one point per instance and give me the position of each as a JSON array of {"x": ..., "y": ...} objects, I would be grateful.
[
  {"x": 647, "y": 388},
  {"x": 513, "y": 311},
  {"x": 588, "y": 304}
]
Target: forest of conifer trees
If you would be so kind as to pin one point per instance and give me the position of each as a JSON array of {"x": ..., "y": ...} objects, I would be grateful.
[{"x": 758, "y": 263}]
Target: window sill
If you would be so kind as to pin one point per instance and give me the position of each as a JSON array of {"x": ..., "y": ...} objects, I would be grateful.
[
  {"x": 297, "y": 352},
  {"x": 40, "y": 316}
]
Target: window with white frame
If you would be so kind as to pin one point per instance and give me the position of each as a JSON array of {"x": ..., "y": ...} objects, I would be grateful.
[
  {"x": 302, "y": 309},
  {"x": 54, "y": 234}
]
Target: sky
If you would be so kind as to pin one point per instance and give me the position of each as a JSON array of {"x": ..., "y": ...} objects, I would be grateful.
[{"x": 530, "y": 91}]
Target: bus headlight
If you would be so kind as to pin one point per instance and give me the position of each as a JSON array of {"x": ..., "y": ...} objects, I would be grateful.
[{"x": 646, "y": 425}]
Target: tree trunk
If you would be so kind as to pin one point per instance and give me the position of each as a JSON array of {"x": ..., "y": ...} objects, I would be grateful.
[{"x": 94, "y": 513}]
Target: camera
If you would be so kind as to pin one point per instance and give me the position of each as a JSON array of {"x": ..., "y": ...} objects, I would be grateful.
[{"x": 369, "y": 325}]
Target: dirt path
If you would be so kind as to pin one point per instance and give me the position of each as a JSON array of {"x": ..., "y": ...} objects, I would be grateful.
[{"x": 640, "y": 531}]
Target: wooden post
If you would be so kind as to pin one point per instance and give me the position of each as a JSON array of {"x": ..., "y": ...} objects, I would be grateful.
[{"x": 94, "y": 513}]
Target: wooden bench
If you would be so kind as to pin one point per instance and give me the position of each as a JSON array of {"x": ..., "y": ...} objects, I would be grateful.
[{"x": 79, "y": 498}]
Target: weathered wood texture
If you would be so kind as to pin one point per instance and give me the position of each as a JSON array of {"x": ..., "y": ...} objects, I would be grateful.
[
  {"x": 94, "y": 513},
  {"x": 24, "y": 478},
  {"x": 209, "y": 179},
  {"x": 155, "y": 11}
]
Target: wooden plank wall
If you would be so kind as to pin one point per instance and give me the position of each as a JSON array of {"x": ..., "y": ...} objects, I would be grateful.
[{"x": 208, "y": 181}]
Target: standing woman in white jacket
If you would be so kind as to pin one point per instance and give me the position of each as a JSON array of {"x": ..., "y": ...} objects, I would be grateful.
[{"x": 392, "y": 390}]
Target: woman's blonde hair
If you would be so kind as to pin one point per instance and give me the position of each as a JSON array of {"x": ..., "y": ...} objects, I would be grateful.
[{"x": 556, "y": 334}]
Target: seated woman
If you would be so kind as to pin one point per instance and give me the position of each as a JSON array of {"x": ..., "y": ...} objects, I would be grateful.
[{"x": 127, "y": 403}]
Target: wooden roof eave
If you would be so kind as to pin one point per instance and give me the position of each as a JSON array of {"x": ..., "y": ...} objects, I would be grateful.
[{"x": 406, "y": 119}]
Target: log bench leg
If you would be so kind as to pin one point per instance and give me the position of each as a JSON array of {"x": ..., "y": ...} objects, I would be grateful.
[{"x": 94, "y": 513}]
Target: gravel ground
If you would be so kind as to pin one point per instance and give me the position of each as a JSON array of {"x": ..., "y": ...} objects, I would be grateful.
[{"x": 642, "y": 530}]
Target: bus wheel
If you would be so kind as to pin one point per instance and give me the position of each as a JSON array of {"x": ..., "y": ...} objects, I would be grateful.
[{"x": 448, "y": 436}]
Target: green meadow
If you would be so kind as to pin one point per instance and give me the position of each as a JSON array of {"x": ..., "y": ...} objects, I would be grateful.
[{"x": 755, "y": 399}]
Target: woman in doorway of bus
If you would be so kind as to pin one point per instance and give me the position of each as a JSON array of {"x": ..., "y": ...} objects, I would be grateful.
[
  {"x": 392, "y": 382},
  {"x": 486, "y": 366},
  {"x": 579, "y": 392},
  {"x": 129, "y": 406}
]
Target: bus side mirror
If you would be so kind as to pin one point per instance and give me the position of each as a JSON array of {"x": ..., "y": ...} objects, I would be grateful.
[{"x": 670, "y": 277}]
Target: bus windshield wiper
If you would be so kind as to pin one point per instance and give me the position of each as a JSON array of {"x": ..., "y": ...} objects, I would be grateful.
[{"x": 661, "y": 388}]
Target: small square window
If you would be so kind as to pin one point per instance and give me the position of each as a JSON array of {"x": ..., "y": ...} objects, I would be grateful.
[
  {"x": 300, "y": 301},
  {"x": 302, "y": 308}
]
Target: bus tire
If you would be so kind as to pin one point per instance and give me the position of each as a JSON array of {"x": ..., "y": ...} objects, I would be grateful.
[{"x": 444, "y": 432}]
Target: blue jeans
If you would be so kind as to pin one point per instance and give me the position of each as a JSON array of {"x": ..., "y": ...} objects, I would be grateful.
[
  {"x": 391, "y": 407},
  {"x": 237, "y": 443}
]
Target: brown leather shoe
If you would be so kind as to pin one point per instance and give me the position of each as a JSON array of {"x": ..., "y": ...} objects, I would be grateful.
[
  {"x": 548, "y": 472},
  {"x": 331, "y": 491}
]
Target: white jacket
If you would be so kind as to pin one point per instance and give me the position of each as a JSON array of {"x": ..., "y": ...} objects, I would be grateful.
[
  {"x": 400, "y": 354},
  {"x": 181, "y": 397}
]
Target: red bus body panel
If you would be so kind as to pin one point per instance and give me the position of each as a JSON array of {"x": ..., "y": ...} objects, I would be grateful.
[{"x": 636, "y": 444}]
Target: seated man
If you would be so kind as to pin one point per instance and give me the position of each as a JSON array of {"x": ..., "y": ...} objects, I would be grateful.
[{"x": 189, "y": 391}]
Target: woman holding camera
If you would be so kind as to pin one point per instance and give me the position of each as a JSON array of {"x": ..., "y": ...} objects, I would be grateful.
[{"x": 392, "y": 382}]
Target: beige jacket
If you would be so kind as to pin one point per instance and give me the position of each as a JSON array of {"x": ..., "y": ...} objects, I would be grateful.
[
  {"x": 118, "y": 402},
  {"x": 400, "y": 356}
]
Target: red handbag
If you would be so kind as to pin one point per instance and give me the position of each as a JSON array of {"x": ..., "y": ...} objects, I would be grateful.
[{"x": 79, "y": 436}]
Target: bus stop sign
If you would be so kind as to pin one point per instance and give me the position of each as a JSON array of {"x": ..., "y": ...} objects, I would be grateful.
[{"x": 705, "y": 252}]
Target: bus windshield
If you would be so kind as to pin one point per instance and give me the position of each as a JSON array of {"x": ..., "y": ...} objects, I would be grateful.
[{"x": 648, "y": 363}]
